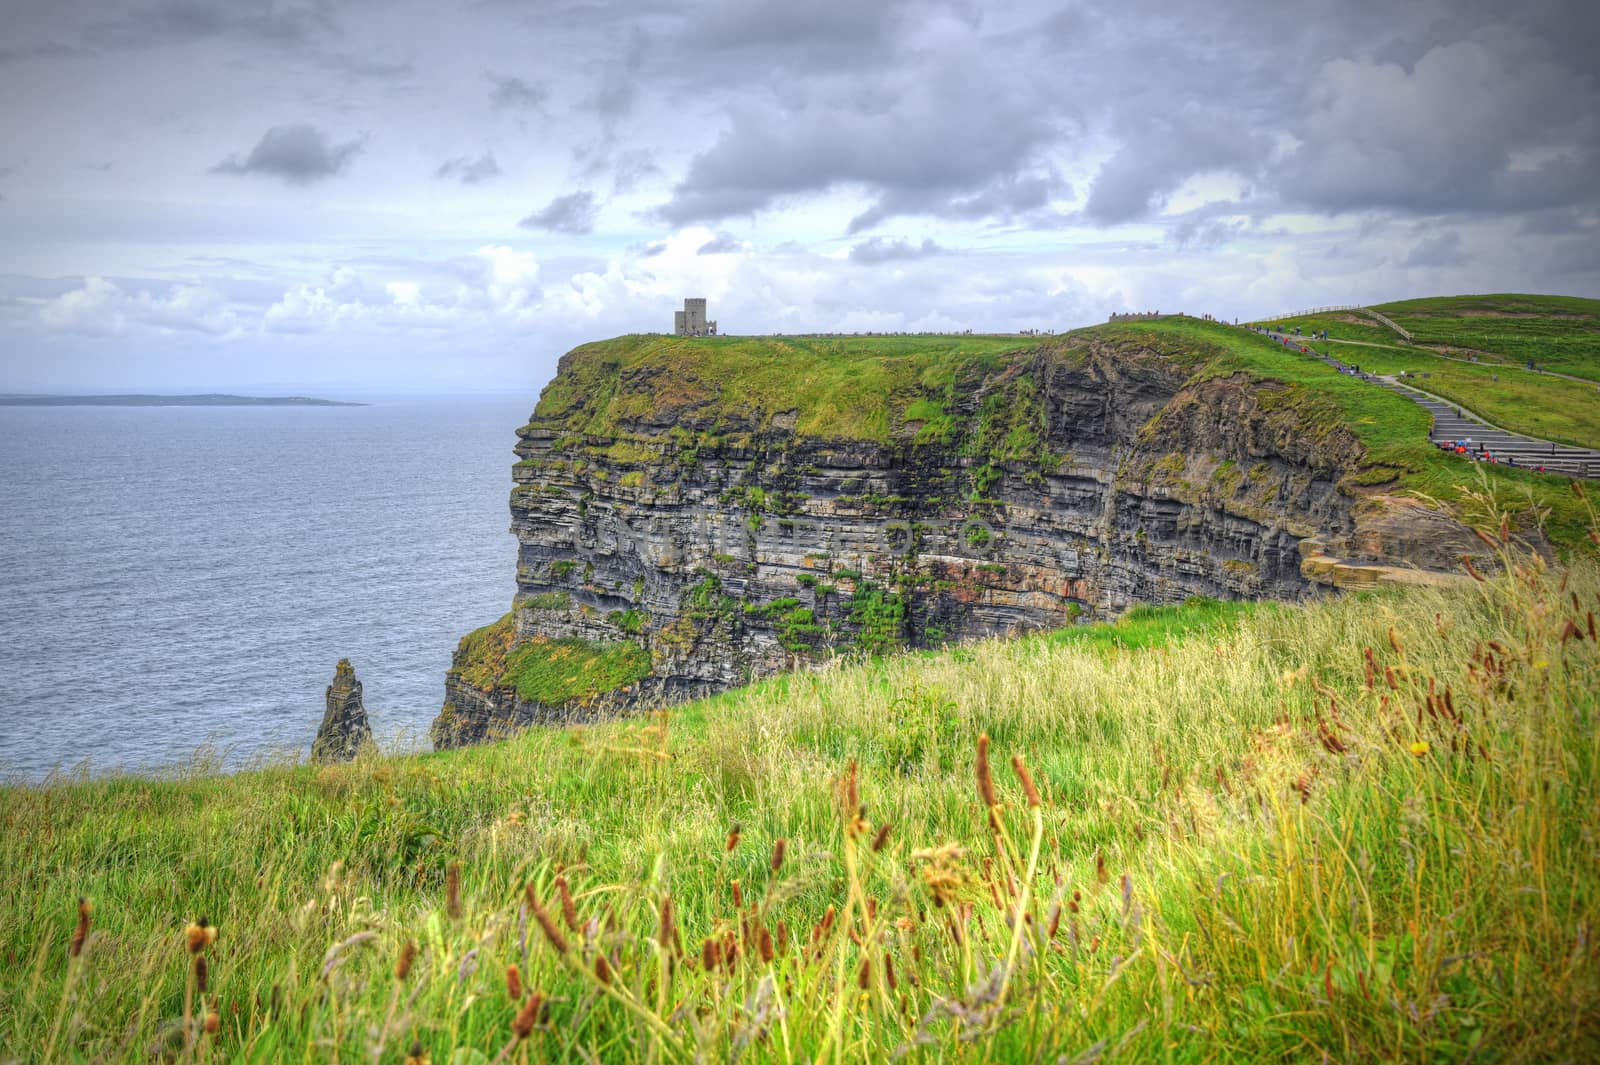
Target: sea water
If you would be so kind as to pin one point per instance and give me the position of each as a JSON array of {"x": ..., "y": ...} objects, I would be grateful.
[{"x": 179, "y": 579}]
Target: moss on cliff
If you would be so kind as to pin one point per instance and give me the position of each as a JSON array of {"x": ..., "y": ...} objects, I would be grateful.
[
  {"x": 481, "y": 654},
  {"x": 556, "y": 672},
  {"x": 550, "y": 672}
]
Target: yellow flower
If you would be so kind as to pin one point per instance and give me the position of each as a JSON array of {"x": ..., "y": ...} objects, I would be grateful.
[
  {"x": 1419, "y": 748},
  {"x": 1541, "y": 663}
]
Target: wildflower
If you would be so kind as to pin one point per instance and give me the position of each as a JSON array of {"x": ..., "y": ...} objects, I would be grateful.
[
  {"x": 1419, "y": 748},
  {"x": 417, "y": 1055},
  {"x": 1541, "y": 663},
  {"x": 199, "y": 936}
]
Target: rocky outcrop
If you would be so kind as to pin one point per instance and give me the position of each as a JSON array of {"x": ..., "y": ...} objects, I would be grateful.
[
  {"x": 665, "y": 504},
  {"x": 345, "y": 729}
]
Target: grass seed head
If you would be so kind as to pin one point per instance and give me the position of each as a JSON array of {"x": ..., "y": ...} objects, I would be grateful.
[
  {"x": 666, "y": 928},
  {"x": 985, "y": 778},
  {"x": 80, "y": 934},
  {"x": 778, "y": 849},
  {"x": 402, "y": 964},
  {"x": 513, "y": 983},
  {"x": 201, "y": 974},
  {"x": 1028, "y": 788},
  {"x": 882, "y": 838},
  {"x": 452, "y": 891},
  {"x": 547, "y": 923},
  {"x": 527, "y": 1017},
  {"x": 569, "y": 909}
]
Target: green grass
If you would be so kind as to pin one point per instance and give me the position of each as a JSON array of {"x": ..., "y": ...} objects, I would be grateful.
[
  {"x": 1357, "y": 830},
  {"x": 1560, "y": 333},
  {"x": 556, "y": 672},
  {"x": 1393, "y": 429},
  {"x": 1345, "y": 325},
  {"x": 1551, "y": 408},
  {"x": 838, "y": 388},
  {"x": 1151, "y": 626}
]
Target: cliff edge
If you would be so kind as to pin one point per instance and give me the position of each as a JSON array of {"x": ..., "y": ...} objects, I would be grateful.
[{"x": 694, "y": 513}]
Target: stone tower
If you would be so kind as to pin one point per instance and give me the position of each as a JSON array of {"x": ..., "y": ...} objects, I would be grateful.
[
  {"x": 691, "y": 321},
  {"x": 345, "y": 729}
]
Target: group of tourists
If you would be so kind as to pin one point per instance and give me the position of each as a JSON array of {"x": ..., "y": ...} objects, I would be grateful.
[{"x": 1478, "y": 453}]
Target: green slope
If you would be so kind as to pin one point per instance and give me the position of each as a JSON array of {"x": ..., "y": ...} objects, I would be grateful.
[
  {"x": 1560, "y": 333},
  {"x": 1360, "y": 829}
]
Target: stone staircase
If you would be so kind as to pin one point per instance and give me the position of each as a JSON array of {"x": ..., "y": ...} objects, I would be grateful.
[{"x": 1451, "y": 422}]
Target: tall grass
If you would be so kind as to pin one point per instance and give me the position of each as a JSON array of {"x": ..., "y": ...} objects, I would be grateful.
[{"x": 1362, "y": 829}]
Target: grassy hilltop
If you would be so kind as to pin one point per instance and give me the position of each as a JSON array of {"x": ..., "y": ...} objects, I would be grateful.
[
  {"x": 878, "y": 388},
  {"x": 1501, "y": 334},
  {"x": 1360, "y": 829}
]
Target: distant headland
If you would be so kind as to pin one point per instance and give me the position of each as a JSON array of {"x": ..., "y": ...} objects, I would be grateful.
[{"x": 209, "y": 399}]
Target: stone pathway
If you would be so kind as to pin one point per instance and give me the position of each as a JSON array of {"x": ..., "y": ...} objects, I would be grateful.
[{"x": 1451, "y": 422}]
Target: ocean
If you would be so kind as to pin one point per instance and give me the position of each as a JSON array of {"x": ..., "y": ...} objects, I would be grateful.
[{"x": 177, "y": 583}]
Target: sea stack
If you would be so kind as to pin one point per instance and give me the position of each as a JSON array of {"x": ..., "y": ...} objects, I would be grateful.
[{"x": 345, "y": 729}]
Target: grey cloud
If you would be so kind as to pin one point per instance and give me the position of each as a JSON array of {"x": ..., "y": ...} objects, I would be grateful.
[
  {"x": 953, "y": 136},
  {"x": 618, "y": 91},
  {"x": 298, "y": 154},
  {"x": 514, "y": 94},
  {"x": 470, "y": 171},
  {"x": 360, "y": 66},
  {"x": 1487, "y": 124},
  {"x": 1200, "y": 232},
  {"x": 1006, "y": 198},
  {"x": 877, "y": 250},
  {"x": 573, "y": 213},
  {"x": 721, "y": 244},
  {"x": 182, "y": 21},
  {"x": 820, "y": 34},
  {"x": 43, "y": 50},
  {"x": 1161, "y": 152},
  {"x": 1439, "y": 250}
]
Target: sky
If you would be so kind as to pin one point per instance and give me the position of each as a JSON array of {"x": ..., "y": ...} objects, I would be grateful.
[{"x": 355, "y": 195}]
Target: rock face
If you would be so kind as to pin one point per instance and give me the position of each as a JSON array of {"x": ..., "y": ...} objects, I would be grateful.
[
  {"x": 667, "y": 504},
  {"x": 345, "y": 729}
]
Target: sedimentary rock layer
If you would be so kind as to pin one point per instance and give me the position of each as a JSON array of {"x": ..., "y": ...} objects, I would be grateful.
[{"x": 733, "y": 518}]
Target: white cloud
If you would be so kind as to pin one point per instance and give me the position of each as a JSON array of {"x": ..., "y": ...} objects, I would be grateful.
[{"x": 102, "y": 307}]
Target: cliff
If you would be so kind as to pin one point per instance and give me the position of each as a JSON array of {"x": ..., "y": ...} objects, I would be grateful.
[{"x": 693, "y": 513}]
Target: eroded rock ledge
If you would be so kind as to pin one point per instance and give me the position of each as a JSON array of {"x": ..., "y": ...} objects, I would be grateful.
[{"x": 683, "y": 531}]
